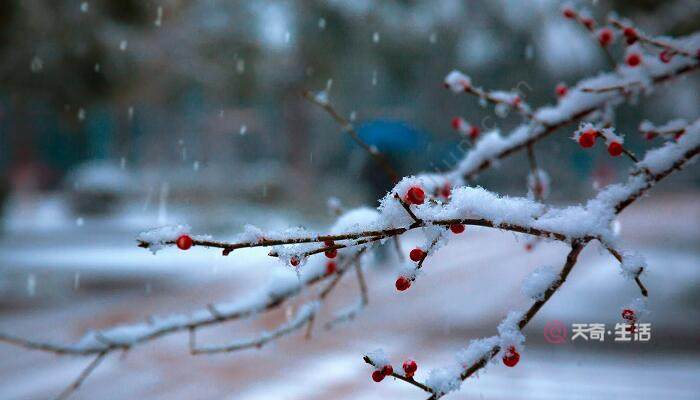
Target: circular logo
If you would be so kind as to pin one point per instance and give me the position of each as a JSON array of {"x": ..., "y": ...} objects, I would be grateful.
[{"x": 555, "y": 332}]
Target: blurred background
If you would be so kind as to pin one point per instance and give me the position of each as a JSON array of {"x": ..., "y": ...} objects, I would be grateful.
[{"x": 117, "y": 116}]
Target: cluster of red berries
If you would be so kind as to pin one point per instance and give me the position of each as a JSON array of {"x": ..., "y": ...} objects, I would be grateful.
[
  {"x": 379, "y": 374},
  {"x": 459, "y": 124},
  {"x": 630, "y": 34},
  {"x": 511, "y": 358},
  {"x": 588, "y": 22},
  {"x": 631, "y": 318},
  {"x": 588, "y": 137},
  {"x": 184, "y": 242},
  {"x": 409, "y": 368}
]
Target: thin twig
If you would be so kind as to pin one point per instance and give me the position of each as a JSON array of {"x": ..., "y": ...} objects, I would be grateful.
[
  {"x": 81, "y": 378},
  {"x": 650, "y": 40},
  {"x": 347, "y": 126},
  {"x": 401, "y": 377},
  {"x": 407, "y": 208}
]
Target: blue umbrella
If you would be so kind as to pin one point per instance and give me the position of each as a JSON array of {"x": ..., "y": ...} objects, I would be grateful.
[{"x": 391, "y": 136}]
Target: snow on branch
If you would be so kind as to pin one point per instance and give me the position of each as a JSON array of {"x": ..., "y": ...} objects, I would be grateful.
[{"x": 581, "y": 100}]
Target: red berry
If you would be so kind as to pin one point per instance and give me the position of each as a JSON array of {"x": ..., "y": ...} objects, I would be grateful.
[
  {"x": 416, "y": 254},
  {"x": 410, "y": 367},
  {"x": 330, "y": 267},
  {"x": 403, "y": 283},
  {"x": 332, "y": 253},
  {"x": 665, "y": 56},
  {"x": 328, "y": 243},
  {"x": 516, "y": 101},
  {"x": 615, "y": 149},
  {"x": 511, "y": 358},
  {"x": 630, "y": 33},
  {"x": 628, "y": 314},
  {"x": 588, "y": 23},
  {"x": 634, "y": 59},
  {"x": 569, "y": 13},
  {"x": 649, "y": 135},
  {"x": 474, "y": 131},
  {"x": 605, "y": 36},
  {"x": 387, "y": 370},
  {"x": 446, "y": 190},
  {"x": 457, "y": 228},
  {"x": 561, "y": 90},
  {"x": 415, "y": 195},
  {"x": 456, "y": 123},
  {"x": 184, "y": 242},
  {"x": 294, "y": 261},
  {"x": 528, "y": 246},
  {"x": 377, "y": 376},
  {"x": 587, "y": 139}
]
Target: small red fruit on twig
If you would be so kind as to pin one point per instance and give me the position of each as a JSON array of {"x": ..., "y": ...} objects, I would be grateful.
[
  {"x": 403, "y": 283},
  {"x": 630, "y": 34},
  {"x": 615, "y": 149},
  {"x": 474, "y": 131},
  {"x": 415, "y": 195},
  {"x": 569, "y": 13},
  {"x": 588, "y": 23},
  {"x": 561, "y": 90},
  {"x": 605, "y": 36},
  {"x": 184, "y": 242},
  {"x": 416, "y": 254},
  {"x": 294, "y": 261},
  {"x": 628, "y": 314},
  {"x": 377, "y": 376},
  {"x": 587, "y": 139},
  {"x": 387, "y": 370},
  {"x": 456, "y": 123},
  {"x": 665, "y": 56},
  {"x": 410, "y": 367},
  {"x": 457, "y": 228},
  {"x": 511, "y": 358},
  {"x": 446, "y": 190},
  {"x": 633, "y": 60},
  {"x": 330, "y": 267},
  {"x": 332, "y": 253}
]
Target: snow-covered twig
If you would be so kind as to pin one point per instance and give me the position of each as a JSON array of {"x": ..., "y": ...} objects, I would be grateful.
[
  {"x": 460, "y": 83},
  {"x": 634, "y": 34},
  {"x": 304, "y": 315}
]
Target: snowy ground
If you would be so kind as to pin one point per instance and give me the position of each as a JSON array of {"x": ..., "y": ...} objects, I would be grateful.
[{"x": 56, "y": 287}]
